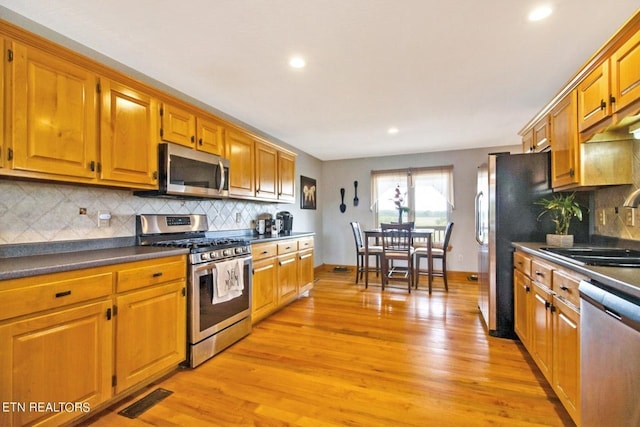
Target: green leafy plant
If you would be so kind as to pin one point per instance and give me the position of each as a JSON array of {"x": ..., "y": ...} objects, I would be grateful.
[{"x": 562, "y": 208}]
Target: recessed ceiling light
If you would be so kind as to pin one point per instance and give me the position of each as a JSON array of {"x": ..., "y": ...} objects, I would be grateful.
[
  {"x": 540, "y": 13},
  {"x": 392, "y": 130},
  {"x": 297, "y": 62}
]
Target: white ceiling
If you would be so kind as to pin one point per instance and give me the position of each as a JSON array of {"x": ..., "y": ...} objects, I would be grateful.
[{"x": 449, "y": 75}]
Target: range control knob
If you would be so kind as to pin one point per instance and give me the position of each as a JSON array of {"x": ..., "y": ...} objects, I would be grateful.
[{"x": 205, "y": 256}]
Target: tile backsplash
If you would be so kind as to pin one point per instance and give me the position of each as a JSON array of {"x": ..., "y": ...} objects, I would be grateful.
[
  {"x": 45, "y": 212},
  {"x": 611, "y": 199}
]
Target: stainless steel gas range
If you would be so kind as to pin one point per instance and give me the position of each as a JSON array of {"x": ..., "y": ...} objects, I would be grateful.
[{"x": 219, "y": 280}]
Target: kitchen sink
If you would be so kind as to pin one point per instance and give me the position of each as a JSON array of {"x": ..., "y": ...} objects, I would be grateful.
[{"x": 607, "y": 257}]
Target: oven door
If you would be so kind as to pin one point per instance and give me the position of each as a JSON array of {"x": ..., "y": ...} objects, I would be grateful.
[{"x": 206, "y": 318}]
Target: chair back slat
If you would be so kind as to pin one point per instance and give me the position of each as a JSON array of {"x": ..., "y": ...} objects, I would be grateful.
[
  {"x": 357, "y": 235},
  {"x": 396, "y": 237}
]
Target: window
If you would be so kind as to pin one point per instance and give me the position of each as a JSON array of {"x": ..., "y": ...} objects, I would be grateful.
[{"x": 422, "y": 195}]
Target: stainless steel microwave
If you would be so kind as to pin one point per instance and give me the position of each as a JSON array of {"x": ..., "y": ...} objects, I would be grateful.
[{"x": 188, "y": 173}]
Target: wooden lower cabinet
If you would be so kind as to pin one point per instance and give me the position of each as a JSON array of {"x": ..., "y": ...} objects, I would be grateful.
[
  {"x": 541, "y": 332},
  {"x": 547, "y": 320},
  {"x": 287, "y": 269},
  {"x": 305, "y": 270},
  {"x": 64, "y": 356},
  {"x": 566, "y": 356},
  {"x": 282, "y": 271},
  {"x": 150, "y": 332},
  {"x": 522, "y": 307},
  {"x": 71, "y": 339},
  {"x": 264, "y": 292}
]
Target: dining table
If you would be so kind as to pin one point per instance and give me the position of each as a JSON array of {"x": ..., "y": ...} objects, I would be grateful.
[{"x": 376, "y": 233}]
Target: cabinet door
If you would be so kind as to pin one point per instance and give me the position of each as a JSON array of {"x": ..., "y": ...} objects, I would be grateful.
[
  {"x": 566, "y": 356},
  {"x": 287, "y": 278},
  {"x": 522, "y": 307},
  {"x": 210, "y": 136},
  {"x": 541, "y": 135},
  {"x": 286, "y": 177},
  {"x": 128, "y": 136},
  {"x": 241, "y": 154},
  {"x": 625, "y": 70},
  {"x": 150, "y": 332},
  {"x": 264, "y": 292},
  {"x": 65, "y": 356},
  {"x": 305, "y": 270},
  {"x": 178, "y": 125},
  {"x": 54, "y": 115},
  {"x": 266, "y": 171},
  {"x": 541, "y": 331},
  {"x": 593, "y": 97},
  {"x": 565, "y": 149}
]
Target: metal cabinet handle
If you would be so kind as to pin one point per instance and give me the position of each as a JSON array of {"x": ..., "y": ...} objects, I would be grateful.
[
  {"x": 63, "y": 294},
  {"x": 158, "y": 274}
]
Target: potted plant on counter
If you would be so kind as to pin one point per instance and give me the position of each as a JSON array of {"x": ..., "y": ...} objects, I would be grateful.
[{"x": 562, "y": 207}]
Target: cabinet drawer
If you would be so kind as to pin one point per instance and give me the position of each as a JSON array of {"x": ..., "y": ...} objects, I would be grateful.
[
  {"x": 38, "y": 293},
  {"x": 264, "y": 250},
  {"x": 139, "y": 275},
  {"x": 305, "y": 243},
  {"x": 541, "y": 273},
  {"x": 287, "y": 246},
  {"x": 522, "y": 263},
  {"x": 566, "y": 286}
]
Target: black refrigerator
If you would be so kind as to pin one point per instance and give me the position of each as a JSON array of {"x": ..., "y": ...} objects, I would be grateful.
[{"x": 508, "y": 186}]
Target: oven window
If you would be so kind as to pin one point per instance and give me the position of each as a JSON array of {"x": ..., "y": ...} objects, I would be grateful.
[{"x": 212, "y": 314}]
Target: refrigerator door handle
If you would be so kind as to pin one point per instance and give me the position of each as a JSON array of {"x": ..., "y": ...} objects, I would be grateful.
[{"x": 478, "y": 201}]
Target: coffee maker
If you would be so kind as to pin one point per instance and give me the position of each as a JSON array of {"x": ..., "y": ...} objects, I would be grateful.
[{"x": 286, "y": 219}]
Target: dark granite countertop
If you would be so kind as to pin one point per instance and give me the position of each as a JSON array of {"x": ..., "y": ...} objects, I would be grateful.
[
  {"x": 33, "y": 265},
  {"x": 34, "y": 259},
  {"x": 626, "y": 280}
]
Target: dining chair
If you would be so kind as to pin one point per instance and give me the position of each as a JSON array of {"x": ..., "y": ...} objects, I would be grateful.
[
  {"x": 396, "y": 246},
  {"x": 374, "y": 250},
  {"x": 438, "y": 252}
]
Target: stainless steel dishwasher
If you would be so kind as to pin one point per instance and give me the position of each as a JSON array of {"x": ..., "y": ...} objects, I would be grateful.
[{"x": 609, "y": 357}]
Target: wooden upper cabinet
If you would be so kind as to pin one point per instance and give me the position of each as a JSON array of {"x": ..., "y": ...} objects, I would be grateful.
[
  {"x": 286, "y": 177},
  {"x": 594, "y": 97},
  {"x": 266, "y": 171},
  {"x": 183, "y": 127},
  {"x": 565, "y": 149},
  {"x": 128, "y": 136},
  {"x": 527, "y": 141},
  {"x": 54, "y": 115},
  {"x": 209, "y": 136},
  {"x": 177, "y": 125},
  {"x": 625, "y": 73},
  {"x": 541, "y": 134},
  {"x": 240, "y": 151}
]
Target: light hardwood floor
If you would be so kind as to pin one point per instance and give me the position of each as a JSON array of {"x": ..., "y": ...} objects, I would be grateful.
[{"x": 350, "y": 356}]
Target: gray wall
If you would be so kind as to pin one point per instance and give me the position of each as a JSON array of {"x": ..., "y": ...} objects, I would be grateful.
[{"x": 339, "y": 247}]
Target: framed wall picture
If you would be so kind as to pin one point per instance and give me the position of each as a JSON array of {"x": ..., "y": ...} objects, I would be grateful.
[{"x": 307, "y": 193}]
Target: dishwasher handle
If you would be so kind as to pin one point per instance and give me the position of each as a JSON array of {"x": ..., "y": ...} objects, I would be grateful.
[{"x": 623, "y": 308}]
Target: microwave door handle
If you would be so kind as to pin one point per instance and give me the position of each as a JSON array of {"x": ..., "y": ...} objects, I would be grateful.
[{"x": 222, "y": 176}]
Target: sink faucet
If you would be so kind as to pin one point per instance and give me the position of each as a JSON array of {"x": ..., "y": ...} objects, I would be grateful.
[{"x": 633, "y": 200}]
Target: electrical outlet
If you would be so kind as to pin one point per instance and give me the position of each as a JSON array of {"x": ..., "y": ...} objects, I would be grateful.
[
  {"x": 630, "y": 217},
  {"x": 104, "y": 219},
  {"x": 460, "y": 258},
  {"x": 602, "y": 217},
  {"x": 238, "y": 217}
]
